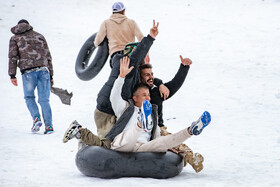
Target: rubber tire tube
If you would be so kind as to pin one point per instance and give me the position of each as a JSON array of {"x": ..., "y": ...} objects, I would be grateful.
[
  {"x": 83, "y": 70},
  {"x": 95, "y": 161}
]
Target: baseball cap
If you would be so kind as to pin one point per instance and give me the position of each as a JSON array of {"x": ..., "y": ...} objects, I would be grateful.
[{"x": 118, "y": 7}]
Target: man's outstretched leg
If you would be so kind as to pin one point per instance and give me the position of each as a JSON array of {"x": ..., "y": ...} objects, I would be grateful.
[
  {"x": 163, "y": 143},
  {"x": 195, "y": 160},
  {"x": 76, "y": 130}
]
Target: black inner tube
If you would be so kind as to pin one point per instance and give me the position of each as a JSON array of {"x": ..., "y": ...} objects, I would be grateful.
[
  {"x": 97, "y": 161},
  {"x": 86, "y": 71}
]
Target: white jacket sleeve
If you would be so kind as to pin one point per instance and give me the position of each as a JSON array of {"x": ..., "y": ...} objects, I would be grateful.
[{"x": 117, "y": 102}]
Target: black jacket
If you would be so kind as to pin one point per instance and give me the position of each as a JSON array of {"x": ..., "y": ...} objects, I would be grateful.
[
  {"x": 132, "y": 79},
  {"x": 174, "y": 85}
]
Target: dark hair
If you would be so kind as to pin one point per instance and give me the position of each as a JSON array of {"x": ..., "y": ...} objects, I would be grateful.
[
  {"x": 23, "y": 21},
  {"x": 138, "y": 86},
  {"x": 120, "y": 12},
  {"x": 145, "y": 66}
]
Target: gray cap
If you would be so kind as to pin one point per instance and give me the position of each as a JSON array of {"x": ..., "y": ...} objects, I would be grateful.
[{"x": 118, "y": 7}]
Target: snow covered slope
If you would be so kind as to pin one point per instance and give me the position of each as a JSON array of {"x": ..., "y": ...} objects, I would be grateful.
[{"x": 235, "y": 75}]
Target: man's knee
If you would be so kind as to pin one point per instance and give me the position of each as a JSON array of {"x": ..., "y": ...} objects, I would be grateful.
[
  {"x": 104, "y": 122},
  {"x": 106, "y": 143},
  {"x": 92, "y": 140}
]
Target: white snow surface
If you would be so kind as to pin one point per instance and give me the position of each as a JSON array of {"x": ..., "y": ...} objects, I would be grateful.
[{"x": 235, "y": 75}]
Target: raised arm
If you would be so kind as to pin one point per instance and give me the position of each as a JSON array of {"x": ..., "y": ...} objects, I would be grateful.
[
  {"x": 175, "y": 84},
  {"x": 143, "y": 47},
  {"x": 124, "y": 67},
  {"x": 118, "y": 104},
  {"x": 137, "y": 56}
]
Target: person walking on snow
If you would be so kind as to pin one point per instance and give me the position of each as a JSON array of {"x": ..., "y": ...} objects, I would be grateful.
[{"x": 29, "y": 51}]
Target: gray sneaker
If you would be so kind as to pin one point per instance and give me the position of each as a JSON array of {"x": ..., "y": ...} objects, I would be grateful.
[
  {"x": 72, "y": 131},
  {"x": 37, "y": 123}
]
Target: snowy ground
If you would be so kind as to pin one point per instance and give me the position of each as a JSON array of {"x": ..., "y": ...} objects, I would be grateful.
[{"x": 235, "y": 48}]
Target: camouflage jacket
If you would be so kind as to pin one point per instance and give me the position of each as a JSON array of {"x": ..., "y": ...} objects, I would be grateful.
[{"x": 28, "y": 49}]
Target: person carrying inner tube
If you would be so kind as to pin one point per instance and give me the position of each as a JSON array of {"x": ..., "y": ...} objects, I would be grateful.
[
  {"x": 119, "y": 31},
  {"x": 104, "y": 115},
  {"x": 136, "y": 129}
]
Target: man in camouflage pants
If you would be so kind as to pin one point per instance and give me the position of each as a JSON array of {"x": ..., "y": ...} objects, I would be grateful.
[
  {"x": 147, "y": 77},
  {"x": 29, "y": 51}
]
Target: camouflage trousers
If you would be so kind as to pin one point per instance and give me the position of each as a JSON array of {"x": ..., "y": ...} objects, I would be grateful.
[
  {"x": 195, "y": 160},
  {"x": 104, "y": 122},
  {"x": 91, "y": 139}
]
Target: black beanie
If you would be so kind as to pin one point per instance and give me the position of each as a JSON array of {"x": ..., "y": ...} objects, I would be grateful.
[{"x": 23, "y": 21}]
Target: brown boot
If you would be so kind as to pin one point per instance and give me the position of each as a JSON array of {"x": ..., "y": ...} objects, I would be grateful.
[
  {"x": 163, "y": 131},
  {"x": 195, "y": 160},
  {"x": 183, "y": 149}
]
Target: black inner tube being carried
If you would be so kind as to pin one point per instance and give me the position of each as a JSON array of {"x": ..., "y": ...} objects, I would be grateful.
[{"x": 83, "y": 70}]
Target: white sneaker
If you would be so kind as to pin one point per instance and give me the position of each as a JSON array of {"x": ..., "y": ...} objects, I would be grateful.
[{"x": 72, "y": 131}]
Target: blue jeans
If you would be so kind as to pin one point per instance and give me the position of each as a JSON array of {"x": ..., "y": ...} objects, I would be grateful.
[{"x": 41, "y": 80}]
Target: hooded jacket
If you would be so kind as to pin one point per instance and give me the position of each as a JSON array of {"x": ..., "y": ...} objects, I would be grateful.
[
  {"x": 120, "y": 31},
  {"x": 28, "y": 49}
]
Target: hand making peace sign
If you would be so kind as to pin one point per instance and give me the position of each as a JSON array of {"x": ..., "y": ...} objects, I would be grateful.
[{"x": 154, "y": 29}]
